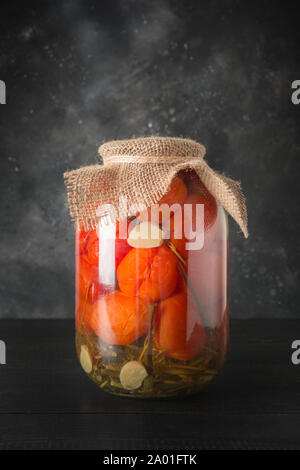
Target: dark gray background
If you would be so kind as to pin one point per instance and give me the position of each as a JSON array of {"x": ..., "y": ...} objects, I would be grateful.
[{"x": 79, "y": 73}]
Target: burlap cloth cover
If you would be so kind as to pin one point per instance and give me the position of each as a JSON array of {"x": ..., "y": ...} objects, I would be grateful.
[{"x": 142, "y": 170}]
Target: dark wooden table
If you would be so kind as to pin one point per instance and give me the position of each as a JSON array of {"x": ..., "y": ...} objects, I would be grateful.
[{"x": 47, "y": 402}]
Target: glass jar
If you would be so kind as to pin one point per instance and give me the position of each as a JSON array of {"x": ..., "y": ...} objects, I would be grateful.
[{"x": 152, "y": 310}]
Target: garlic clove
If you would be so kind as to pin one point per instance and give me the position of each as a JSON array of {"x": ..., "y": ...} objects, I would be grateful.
[
  {"x": 132, "y": 375},
  {"x": 145, "y": 235},
  {"x": 85, "y": 359}
]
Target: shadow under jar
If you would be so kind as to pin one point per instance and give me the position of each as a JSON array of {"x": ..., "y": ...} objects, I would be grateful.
[{"x": 152, "y": 310}]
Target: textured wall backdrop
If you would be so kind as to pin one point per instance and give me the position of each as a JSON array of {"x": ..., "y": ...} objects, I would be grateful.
[{"x": 81, "y": 72}]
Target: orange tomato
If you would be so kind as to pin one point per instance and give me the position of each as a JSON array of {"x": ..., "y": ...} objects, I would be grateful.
[
  {"x": 176, "y": 194},
  {"x": 119, "y": 319},
  {"x": 133, "y": 268},
  {"x": 179, "y": 329},
  {"x": 149, "y": 273}
]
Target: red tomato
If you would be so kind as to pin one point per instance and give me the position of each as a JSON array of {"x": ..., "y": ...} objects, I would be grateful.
[
  {"x": 210, "y": 208},
  {"x": 119, "y": 319},
  {"x": 207, "y": 274},
  {"x": 176, "y": 194},
  {"x": 91, "y": 247},
  {"x": 189, "y": 222},
  {"x": 81, "y": 237},
  {"x": 87, "y": 282},
  {"x": 122, "y": 247},
  {"x": 179, "y": 329}
]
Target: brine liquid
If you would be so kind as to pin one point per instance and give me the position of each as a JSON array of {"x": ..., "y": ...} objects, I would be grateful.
[{"x": 169, "y": 377}]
